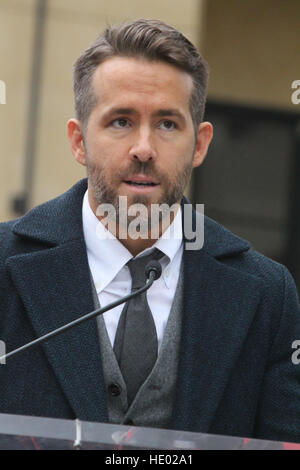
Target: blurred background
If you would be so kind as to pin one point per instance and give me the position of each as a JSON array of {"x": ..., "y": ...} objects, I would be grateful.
[{"x": 249, "y": 181}]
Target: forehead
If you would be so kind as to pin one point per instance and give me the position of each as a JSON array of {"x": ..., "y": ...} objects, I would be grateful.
[{"x": 141, "y": 80}]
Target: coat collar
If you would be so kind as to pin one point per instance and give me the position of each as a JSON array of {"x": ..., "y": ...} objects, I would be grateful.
[
  {"x": 60, "y": 220},
  {"x": 56, "y": 221}
]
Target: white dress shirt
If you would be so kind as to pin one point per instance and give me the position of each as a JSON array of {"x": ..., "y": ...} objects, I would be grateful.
[{"x": 107, "y": 258}]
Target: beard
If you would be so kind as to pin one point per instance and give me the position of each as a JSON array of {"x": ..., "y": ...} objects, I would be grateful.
[{"x": 105, "y": 188}]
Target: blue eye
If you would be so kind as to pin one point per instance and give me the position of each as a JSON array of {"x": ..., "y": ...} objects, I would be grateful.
[
  {"x": 120, "y": 123},
  {"x": 167, "y": 125}
]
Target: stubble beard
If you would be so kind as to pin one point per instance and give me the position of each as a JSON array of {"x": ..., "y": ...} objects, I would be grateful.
[{"x": 104, "y": 192}]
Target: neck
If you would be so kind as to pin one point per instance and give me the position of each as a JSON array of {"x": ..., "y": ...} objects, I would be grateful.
[{"x": 139, "y": 244}]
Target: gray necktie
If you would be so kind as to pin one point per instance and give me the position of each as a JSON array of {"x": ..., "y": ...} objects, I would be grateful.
[{"x": 135, "y": 343}]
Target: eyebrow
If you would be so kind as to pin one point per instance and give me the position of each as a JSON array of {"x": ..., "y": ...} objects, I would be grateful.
[
  {"x": 131, "y": 111},
  {"x": 113, "y": 111},
  {"x": 170, "y": 112}
]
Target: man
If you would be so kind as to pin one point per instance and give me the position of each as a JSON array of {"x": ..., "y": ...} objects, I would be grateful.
[{"x": 220, "y": 321}]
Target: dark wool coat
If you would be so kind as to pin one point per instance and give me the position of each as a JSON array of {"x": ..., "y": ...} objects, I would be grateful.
[{"x": 240, "y": 318}]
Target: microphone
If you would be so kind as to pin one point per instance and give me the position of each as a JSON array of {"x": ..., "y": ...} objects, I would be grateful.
[
  {"x": 152, "y": 272},
  {"x": 153, "y": 267}
]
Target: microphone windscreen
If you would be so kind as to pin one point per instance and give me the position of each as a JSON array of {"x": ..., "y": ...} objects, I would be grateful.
[{"x": 154, "y": 266}]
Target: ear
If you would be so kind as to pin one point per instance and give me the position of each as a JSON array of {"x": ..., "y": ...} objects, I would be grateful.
[
  {"x": 204, "y": 136},
  {"x": 75, "y": 138}
]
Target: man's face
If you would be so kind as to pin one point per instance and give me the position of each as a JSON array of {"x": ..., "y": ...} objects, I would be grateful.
[{"x": 139, "y": 140}]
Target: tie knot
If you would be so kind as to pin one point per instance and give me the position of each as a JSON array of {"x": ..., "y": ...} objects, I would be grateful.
[{"x": 137, "y": 268}]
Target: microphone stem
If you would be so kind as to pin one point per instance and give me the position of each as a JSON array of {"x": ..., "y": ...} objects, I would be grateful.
[{"x": 88, "y": 316}]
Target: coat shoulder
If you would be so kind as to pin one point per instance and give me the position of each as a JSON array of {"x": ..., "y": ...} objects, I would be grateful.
[
  {"x": 246, "y": 259},
  {"x": 6, "y": 238},
  {"x": 261, "y": 267}
]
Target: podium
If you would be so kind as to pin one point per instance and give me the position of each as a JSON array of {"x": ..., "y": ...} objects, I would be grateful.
[{"x": 28, "y": 432}]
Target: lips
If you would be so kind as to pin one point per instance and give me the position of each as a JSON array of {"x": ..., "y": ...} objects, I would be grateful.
[
  {"x": 136, "y": 183},
  {"x": 141, "y": 181},
  {"x": 140, "y": 184}
]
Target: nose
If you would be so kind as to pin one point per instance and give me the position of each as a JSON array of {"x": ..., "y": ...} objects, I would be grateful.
[{"x": 143, "y": 146}]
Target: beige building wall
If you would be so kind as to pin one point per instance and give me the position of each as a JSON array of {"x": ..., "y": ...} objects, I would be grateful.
[
  {"x": 252, "y": 47},
  {"x": 16, "y": 33},
  {"x": 71, "y": 26}
]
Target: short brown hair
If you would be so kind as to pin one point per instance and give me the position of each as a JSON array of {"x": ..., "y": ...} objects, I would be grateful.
[{"x": 148, "y": 39}]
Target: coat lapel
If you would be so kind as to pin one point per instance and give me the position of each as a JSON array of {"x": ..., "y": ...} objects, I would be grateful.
[
  {"x": 219, "y": 305},
  {"x": 55, "y": 286}
]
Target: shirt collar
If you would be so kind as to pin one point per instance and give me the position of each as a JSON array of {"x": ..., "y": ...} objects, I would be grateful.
[{"x": 105, "y": 250}]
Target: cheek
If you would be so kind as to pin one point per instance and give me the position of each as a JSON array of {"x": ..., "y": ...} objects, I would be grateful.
[
  {"x": 182, "y": 147},
  {"x": 179, "y": 156},
  {"x": 111, "y": 151}
]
